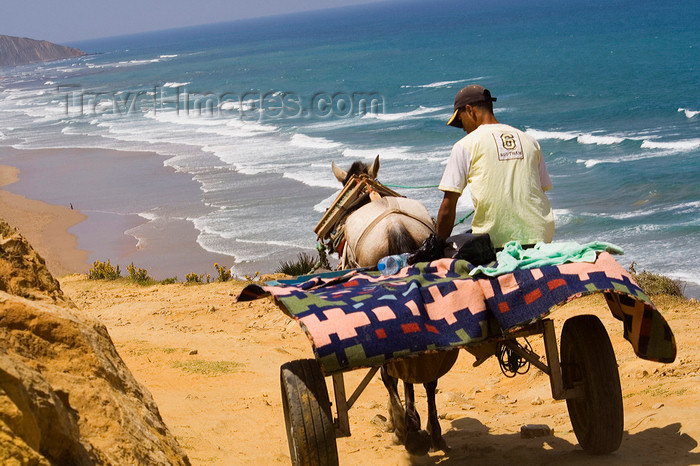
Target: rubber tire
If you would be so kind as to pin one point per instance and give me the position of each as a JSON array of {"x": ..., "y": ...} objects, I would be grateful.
[
  {"x": 588, "y": 359},
  {"x": 307, "y": 414}
]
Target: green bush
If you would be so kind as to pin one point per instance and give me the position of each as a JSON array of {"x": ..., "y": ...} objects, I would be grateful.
[
  {"x": 168, "y": 281},
  {"x": 193, "y": 278},
  {"x": 304, "y": 264},
  {"x": 654, "y": 284},
  {"x": 224, "y": 273},
  {"x": 104, "y": 271},
  {"x": 139, "y": 275}
]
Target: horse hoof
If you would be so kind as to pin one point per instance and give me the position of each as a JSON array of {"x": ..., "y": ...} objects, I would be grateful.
[{"x": 418, "y": 443}]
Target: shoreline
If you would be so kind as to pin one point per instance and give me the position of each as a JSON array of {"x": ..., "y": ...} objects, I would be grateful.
[
  {"x": 45, "y": 226},
  {"x": 92, "y": 181}
]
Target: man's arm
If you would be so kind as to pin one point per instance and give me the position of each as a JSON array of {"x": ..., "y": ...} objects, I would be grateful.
[{"x": 446, "y": 214}]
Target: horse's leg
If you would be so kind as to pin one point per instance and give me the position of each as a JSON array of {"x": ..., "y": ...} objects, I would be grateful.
[
  {"x": 417, "y": 440},
  {"x": 412, "y": 417},
  {"x": 396, "y": 411},
  {"x": 433, "y": 426}
]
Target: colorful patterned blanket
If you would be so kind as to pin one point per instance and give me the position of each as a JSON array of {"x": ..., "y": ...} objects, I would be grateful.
[{"x": 361, "y": 319}]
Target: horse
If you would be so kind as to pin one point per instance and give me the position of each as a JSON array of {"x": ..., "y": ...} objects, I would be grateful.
[{"x": 377, "y": 228}]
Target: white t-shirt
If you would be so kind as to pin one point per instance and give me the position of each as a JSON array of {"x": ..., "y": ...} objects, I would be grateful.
[{"x": 507, "y": 177}]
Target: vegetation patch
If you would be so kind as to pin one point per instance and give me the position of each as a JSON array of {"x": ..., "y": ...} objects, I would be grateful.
[
  {"x": 107, "y": 271},
  {"x": 139, "y": 275},
  {"x": 658, "y": 390},
  {"x": 104, "y": 271},
  {"x": 150, "y": 350},
  {"x": 654, "y": 284},
  {"x": 224, "y": 273},
  {"x": 194, "y": 279},
  {"x": 304, "y": 264},
  {"x": 207, "y": 367}
]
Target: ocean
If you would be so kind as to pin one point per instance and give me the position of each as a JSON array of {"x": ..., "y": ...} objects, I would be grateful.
[{"x": 254, "y": 112}]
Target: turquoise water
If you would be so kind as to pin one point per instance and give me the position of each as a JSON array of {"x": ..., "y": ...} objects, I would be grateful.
[{"x": 608, "y": 88}]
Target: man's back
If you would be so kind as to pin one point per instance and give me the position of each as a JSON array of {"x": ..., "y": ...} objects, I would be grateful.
[
  {"x": 504, "y": 182},
  {"x": 505, "y": 172}
]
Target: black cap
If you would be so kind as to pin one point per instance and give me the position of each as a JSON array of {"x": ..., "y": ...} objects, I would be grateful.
[{"x": 472, "y": 94}]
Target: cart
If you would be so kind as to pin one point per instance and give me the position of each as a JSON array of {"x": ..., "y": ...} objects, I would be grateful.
[
  {"x": 581, "y": 367},
  {"x": 585, "y": 375}
]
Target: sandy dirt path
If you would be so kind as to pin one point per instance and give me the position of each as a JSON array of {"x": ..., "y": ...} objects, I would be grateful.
[{"x": 212, "y": 366}]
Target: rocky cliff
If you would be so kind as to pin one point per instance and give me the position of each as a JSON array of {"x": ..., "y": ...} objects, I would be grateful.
[
  {"x": 20, "y": 51},
  {"x": 66, "y": 396}
]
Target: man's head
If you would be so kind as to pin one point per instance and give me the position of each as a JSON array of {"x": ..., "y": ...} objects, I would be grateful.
[{"x": 468, "y": 102}]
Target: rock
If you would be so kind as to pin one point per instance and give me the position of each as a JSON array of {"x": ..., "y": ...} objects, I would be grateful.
[
  {"x": 381, "y": 423},
  {"x": 193, "y": 352},
  {"x": 22, "y": 271},
  {"x": 535, "y": 430},
  {"x": 20, "y": 51},
  {"x": 66, "y": 397},
  {"x": 537, "y": 401},
  {"x": 455, "y": 397}
]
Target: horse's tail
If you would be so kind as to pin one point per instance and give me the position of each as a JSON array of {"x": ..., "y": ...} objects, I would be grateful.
[{"x": 400, "y": 240}]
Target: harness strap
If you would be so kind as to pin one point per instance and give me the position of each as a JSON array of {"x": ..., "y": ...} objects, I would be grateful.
[{"x": 393, "y": 209}]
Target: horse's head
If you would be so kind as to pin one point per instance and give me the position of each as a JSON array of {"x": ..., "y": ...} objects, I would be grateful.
[
  {"x": 374, "y": 225},
  {"x": 356, "y": 168}
]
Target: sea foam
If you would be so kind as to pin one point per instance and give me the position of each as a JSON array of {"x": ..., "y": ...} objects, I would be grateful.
[
  {"x": 580, "y": 137},
  {"x": 684, "y": 145},
  {"x": 307, "y": 142},
  {"x": 312, "y": 179},
  {"x": 420, "y": 111},
  {"x": 439, "y": 84},
  {"x": 399, "y": 153},
  {"x": 688, "y": 113},
  {"x": 176, "y": 84}
]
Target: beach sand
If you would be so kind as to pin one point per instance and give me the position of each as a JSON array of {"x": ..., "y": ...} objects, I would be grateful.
[
  {"x": 45, "y": 226},
  {"x": 86, "y": 196}
]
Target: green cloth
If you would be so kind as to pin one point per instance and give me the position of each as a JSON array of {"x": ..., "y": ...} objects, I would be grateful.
[{"x": 513, "y": 256}]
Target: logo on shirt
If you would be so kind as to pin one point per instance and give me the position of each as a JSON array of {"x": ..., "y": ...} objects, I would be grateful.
[{"x": 509, "y": 146}]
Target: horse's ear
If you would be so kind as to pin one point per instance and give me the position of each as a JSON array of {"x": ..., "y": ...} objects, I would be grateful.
[
  {"x": 339, "y": 173},
  {"x": 374, "y": 169}
]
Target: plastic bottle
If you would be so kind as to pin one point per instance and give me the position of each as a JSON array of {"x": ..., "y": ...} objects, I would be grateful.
[{"x": 390, "y": 265}]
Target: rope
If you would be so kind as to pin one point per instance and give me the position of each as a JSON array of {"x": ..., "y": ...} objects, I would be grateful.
[
  {"x": 408, "y": 187},
  {"x": 461, "y": 220},
  {"x": 321, "y": 257}
]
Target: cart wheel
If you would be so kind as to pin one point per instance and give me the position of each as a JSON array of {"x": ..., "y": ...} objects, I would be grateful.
[
  {"x": 307, "y": 414},
  {"x": 588, "y": 361}
]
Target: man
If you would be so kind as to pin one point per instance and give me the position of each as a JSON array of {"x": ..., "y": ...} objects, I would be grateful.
[{"x": 505, "y": 172}]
